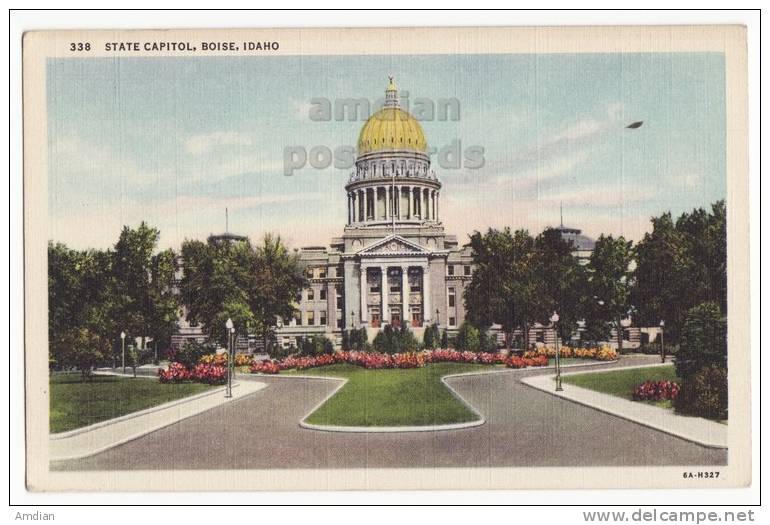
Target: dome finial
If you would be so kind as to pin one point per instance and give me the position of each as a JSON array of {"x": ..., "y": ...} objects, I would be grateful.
[{"x": 391, "y": 94}]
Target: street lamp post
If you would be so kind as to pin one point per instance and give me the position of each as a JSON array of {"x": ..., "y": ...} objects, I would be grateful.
[
  {"x": 662, "y": 348},
  {"x": 624, "y": 324},
  {"x": 554, "y": 320},
  {"x": 438, "y": 321},
  {"x": 230, "y": 329},
  {"x": 352, "y": 319},
  {"x": 123, "y": 351}
]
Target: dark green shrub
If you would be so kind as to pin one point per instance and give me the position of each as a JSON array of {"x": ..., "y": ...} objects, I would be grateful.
[
  {"x": 654, "y": 349},
  {"x": 276, "y": 351},
  {"x": 191, "y": 352},
  {"x": 431, "y": 337},
  {"x": 391, "y": 340},
  {"x": 487, "y": 342},
  {"x": 703, "y": 341},
  {"x": 704, "y": 393},
  {"x": 468, "y": 338},
  {"x": 444, "y": 339},
  {"x": 315, "y": 345},
  {"x": 357, "y": 339}
]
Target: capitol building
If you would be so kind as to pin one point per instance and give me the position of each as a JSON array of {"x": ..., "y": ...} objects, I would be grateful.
[{"x": 394, "y": 262}]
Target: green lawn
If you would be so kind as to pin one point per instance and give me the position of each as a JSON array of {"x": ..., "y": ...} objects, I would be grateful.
[
  {"x": 76, "y": 403},
  {"x": 622, "y": 382},
  {"x": 392, "y": 397}
]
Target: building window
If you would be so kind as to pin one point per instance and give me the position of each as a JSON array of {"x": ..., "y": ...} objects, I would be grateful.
[
  {"x": 309, "y": 272},
  {"x": 540, "y": 336},
  {"x": 310, "y": 294},
  {"x": 450, "y": 269},
  {"x": 298, "y": 318},
  {"x": 322, "y": 318},
  {"x": 321, "y": 273},
  {"x": 452, "y": 321},
  {"x": 626, "y": 335},
  {"x": 311, "y": 318},
  {"x": 451, "y": 297},
  {"x": 339, "y": 318},
  {"x": 322, "y": 294},
  {"x": 467, "y": 269}
]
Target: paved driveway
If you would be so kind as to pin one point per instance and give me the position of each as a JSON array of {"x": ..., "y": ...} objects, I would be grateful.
[{"x": 525, "y": 427}]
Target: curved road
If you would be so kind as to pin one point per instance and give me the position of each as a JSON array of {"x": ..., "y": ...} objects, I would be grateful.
[{"x": 525, "y": 427}]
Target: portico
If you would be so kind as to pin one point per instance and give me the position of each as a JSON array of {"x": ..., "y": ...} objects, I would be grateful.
[{"x": 395, "y": 283}]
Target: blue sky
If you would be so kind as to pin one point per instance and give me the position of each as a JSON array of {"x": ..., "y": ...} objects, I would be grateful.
[{"x": 174, "y": 141}]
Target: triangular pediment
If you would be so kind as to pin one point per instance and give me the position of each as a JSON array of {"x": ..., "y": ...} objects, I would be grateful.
[{"x": 393, "y": 245}]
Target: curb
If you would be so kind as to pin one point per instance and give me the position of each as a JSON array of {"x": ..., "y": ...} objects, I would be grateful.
[
  {"x": 422, "y": 428},
  {"x": 134, "y": 415},
  {"x": 140, "y": 434},
  {"x": 620, "y": 414}
]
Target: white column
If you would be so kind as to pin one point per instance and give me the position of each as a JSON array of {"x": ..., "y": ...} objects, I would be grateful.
[
  {"x": 398, "y": 202},
  {"x": 384, "y": 294},
  {"x": 425, "y": 295},
  {"x": 438, "y": 215},
  {"x": 363, "y": 294},
  {"x": 387, "y": 203},
  {"x": 366, "y": 204},
  {"x": 404, "y": 293},
  {"x": 426, "y": 199},
  {"x": 350, "y": 208}
]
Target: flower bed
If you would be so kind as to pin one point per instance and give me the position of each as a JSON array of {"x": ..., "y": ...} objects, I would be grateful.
[
  {"x": 211, "y": 374},
  {"x": 602, "y": 353},
  {"x": 662, "y": 390},
  {"x": 221, "y": 359},
  {"x": 376, "y": 360}
]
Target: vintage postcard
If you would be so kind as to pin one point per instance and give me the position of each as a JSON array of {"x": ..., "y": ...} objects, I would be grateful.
[{"x": 394, "y": 258}]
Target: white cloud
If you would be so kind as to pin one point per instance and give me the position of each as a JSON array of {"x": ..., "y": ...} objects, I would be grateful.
[
  {"x": 581, "y": 129},
  {"x": 205, "y": 142}
]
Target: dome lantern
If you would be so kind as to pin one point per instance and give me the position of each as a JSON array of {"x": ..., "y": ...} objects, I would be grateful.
[{"x": 391, "y": 94}]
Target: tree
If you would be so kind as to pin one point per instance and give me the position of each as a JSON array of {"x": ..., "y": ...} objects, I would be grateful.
[
  {"x": 563, "y": 281},
  {"x": 143, "y": 302},
  {"x": 609, "y": 285},
  {"x": 79, "y": 348},
  {"x": 225, "y": 279},
  {"x": 703, "y": 341},
  {"x": 163, "y": 302},
  {"x": 504, "y": 288},
  {"x": 78, "y": 298},
  {"x": 679, "y": 265},
  {"x": 216, "y": 284},
  {"x": 277, "y": 280}
]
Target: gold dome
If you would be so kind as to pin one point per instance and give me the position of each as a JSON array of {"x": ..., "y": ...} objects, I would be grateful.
[{"x": 391, "y": 128}]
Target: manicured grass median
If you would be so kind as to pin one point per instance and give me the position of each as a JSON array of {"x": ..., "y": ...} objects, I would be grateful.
[
  {"x": 621, "y": 383},
  {"x": 76, "y": 403},
  {"x": 392, "y": 397}
]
